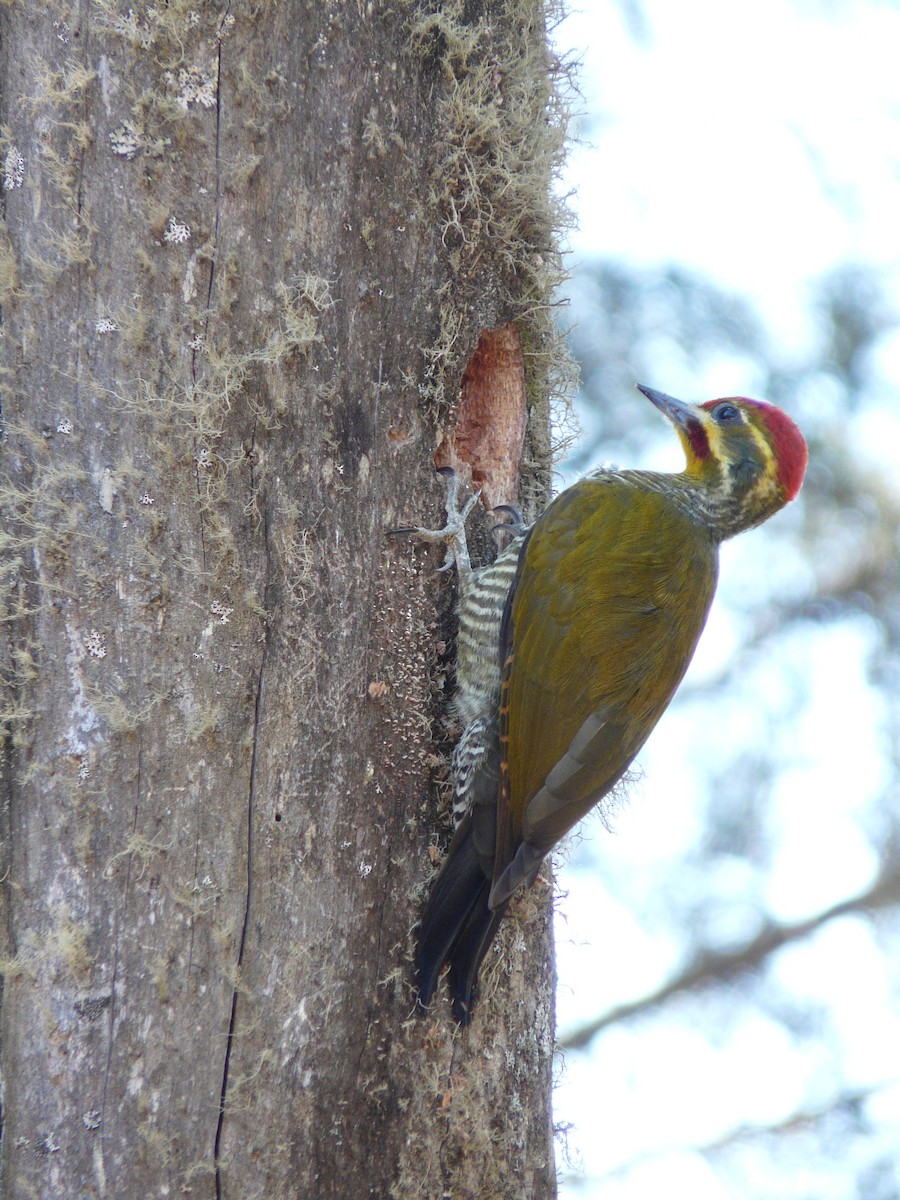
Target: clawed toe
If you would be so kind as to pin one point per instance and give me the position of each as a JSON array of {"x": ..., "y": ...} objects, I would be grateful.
[
  {"x": 515, "y": 525},
  {"x": 453, "y": 535}
]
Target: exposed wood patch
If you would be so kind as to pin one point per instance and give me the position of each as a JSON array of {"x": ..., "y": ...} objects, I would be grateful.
[{"x": 486, "y": 443}]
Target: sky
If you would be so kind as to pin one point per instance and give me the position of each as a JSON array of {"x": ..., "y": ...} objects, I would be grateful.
[
  {"x": 749, "y": 141},
  {"x": 760, "y": 145}
]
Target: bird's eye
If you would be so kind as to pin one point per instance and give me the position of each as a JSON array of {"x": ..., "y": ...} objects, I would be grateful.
[{"x": 726, "y": 414}]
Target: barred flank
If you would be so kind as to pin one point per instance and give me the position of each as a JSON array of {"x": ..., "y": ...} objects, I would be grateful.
[{"x": 481, "y": 603}]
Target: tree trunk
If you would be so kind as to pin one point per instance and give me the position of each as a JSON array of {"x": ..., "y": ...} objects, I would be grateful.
[{"x": 249, "y": 251}]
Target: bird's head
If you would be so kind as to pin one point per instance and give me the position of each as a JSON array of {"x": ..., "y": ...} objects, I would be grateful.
[{"x": 746, "y": 457}]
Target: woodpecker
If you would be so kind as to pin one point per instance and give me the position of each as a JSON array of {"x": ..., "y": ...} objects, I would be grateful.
[{"x": 571, "y": 646}]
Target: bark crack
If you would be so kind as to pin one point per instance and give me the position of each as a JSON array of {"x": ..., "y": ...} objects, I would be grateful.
[
  {"x": 212, "y": 265},
  {"x": 245, "y": 924},
  {"x": 79, "y": 214},
  {"x": 229, "y": 1042}
]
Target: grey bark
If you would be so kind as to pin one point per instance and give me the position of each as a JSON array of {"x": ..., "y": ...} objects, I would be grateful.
[{"x": 247, "y": 252}]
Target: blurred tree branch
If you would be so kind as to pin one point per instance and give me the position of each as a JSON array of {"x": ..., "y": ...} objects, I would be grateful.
[
  {"x": 846, "y": 1103},
  {"x": 720, "y": 966}
]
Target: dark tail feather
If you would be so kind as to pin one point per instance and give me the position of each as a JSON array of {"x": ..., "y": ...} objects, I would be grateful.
[
  {"x": 471, "y": 945},
  {"x": 457, "y": 926}
]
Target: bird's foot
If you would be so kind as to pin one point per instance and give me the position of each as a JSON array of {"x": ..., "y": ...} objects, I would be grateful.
[{"x": 453, "y": 535}]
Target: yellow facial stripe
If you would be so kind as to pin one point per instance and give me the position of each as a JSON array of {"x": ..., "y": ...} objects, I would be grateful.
[
  {"x": 768, "y": 479},
  {"x": 715, "y": 439}
]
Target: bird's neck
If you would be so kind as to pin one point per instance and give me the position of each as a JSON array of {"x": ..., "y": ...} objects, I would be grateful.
[{"x": 714, "y": 509}]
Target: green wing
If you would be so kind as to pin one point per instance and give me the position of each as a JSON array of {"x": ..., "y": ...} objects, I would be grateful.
[{"x": 614, "y": 590}]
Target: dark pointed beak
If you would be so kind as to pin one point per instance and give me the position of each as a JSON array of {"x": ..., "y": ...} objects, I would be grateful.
[{"x": 676, "y": 410}]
